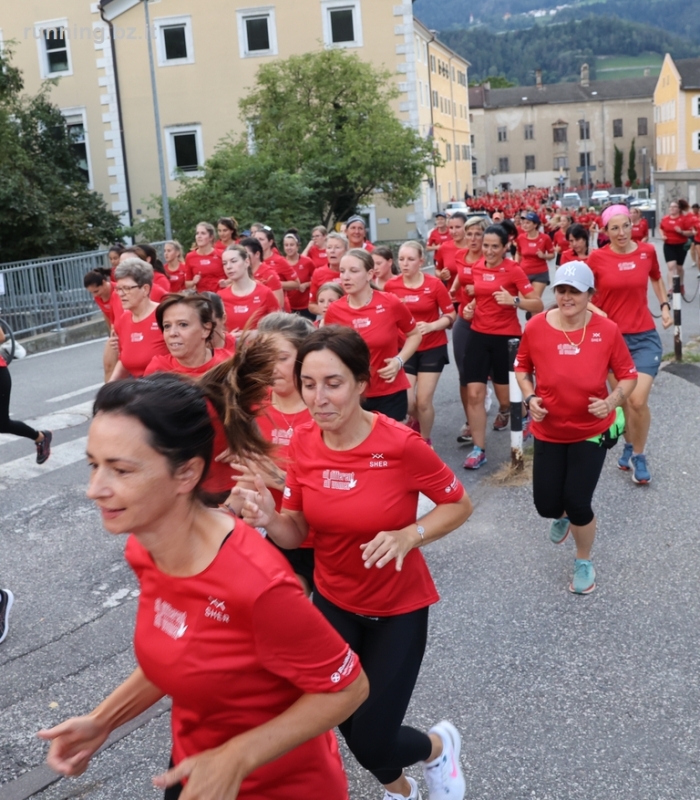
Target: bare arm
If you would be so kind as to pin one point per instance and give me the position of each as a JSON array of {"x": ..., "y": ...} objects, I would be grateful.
[{"x": 120, "y": 372}]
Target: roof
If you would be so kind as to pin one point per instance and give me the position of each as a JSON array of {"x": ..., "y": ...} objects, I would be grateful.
[
  {"x": 689, "y": 70},
  {"x": 626, "y": 89},
  {"x": 431, "y": 36}
]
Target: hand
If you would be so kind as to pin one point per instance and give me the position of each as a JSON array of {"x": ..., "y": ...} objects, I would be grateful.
[
  {"x": 541, "y": 254},
  {"x": 425, "y": 327},
  {"x": 114, "y": 341},
  {"x": 304, "y": 286},
  {"x": 468, "y": 310},
  {"x": 599, "y": 408},
  {"x": 210, "y": 775},
  {"x": 666, "y": 318},
  {"x": 196, "y": 279},
  {"x": 223, "y": 283},
  {"x": 258, "y": 506},
  {"x": 444, "y": 274},
  {"x": 386, "y": 546},
  {"x": 470, "y": 289},
  {"x": 537, "y": 411},
  {"x": 247, "y": 469},
  {"x": 73, "y": 743},
  {"x": 391, "y": 370},
  {"x": 504, "y": 298}
]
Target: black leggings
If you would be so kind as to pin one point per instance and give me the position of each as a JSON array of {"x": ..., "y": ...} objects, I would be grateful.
[
  {"x": 8, "y": 425},
  {"x": 390, "y": 650},
  {"x": 564, "y": 478}
]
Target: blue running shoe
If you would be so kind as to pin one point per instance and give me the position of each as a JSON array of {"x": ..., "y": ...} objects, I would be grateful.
[
  {"x": 640, "y": 473},
  {"x": 584, "y": 577},
  {"x": 475, "y": 459},
  {"x": 623, "y": 462},
  {"x": 559, "y": 530}
]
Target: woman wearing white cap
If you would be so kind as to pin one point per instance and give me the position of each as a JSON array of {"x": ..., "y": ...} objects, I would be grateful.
[
  {"x": 356, "y": 231},
  {"x": 562, "y": 368}
]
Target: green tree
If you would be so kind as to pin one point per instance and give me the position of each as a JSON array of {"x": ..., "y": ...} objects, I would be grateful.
[
  {"x": 45, "y": 206},
  {"x": 327, "y": 117},
  {"x": 631, "y": 165},
  {"x": 496, "y": 81},
  {"x": 617, "y": 168}
]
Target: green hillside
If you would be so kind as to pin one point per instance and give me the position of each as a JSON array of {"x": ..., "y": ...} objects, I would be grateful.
[{"x": 610, "y": 68}]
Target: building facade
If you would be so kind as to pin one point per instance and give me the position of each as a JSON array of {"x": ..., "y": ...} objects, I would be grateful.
[
  {"x": 206, "y": 57},
  {"x": 564, "y": 134}
]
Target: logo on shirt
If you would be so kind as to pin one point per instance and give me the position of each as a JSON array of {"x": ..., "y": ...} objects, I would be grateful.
[
  {"x": 380, "y": 308},
  {"x": 568, "y": 349},
  {"x": 625, "y": 265},
  {"x": 452, "y": 487},
  {"x": 333, "y": 479},
  {"x": 345, "y": 668},
  {"x": 361, "y": 322},
  {"x": 136, "y": 336},
  {"x": 240, "y": 309},
  {"x": 597, "y": 337},
  {"x": 411, "y": 298},
  {"x": 216, "y": 610},
  {"x": 377, "y": 460},
  {"x": 487, "y": 276},
  {"x": 287, "y": 493},
  {"x": 643, "y": 255},
  {"x": 169, "y": 619},
  {"x": 283, "y": 437}
]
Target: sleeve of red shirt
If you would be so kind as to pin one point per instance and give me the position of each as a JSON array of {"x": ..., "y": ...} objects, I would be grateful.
[
  {"x": 404, "y": 318},
  {"x": 523, "y": 362},
  {"x": 300, "y": 644},
  {"x": 270, "y": 303},
  {"x": 427, "y": 473},
  {"x": 291, "y": 498},
  {"x": 547, "y": 244},
  {"x": 273, "y": 283},
  {"x": 522, "y": 281},
  {"x": 621, "y": 362},
  {"x": 655, "y": 271},
  {"x": 443, "y": 299}
]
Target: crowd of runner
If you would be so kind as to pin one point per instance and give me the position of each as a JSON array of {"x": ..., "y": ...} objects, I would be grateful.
[{"x": 267, "y": 414}]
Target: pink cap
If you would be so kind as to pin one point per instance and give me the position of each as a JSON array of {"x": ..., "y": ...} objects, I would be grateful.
[{"x": 612, "y": 211}]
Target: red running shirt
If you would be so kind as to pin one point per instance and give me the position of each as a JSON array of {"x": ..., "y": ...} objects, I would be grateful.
[
  {"x": 567, "y": 375},
  {"x": 621, "y": 283},
  {"x": 446, "y": 258},
  {"x": 171, "y": 364},
  {"x": 234, "y": 654},
  {"x": 304, "y": 269},
  {"x": 177, "y": 278},
  {"x": 209, "y": 267},
  {"x": 318, "y": 256},
  {"x": 113, "y": 307},
  {"x": 249, "y": 307},
  {"x": 322, "y": 275},
  {"x": 139, "y": 342},
  {"x": 427, "y": 303},
  {"x": 380, "y": 323},
  {"x": 530, "y": 262},
  {"x": 671, "y": 236},
  {"x": 465, "y": 278},
  {"x": 348, "y": 497},
  {"x": 560, "y": 240},
  {"x": 640, "y": 230},
  {"x": 569, "y": 255},
  {"x": 489, "y": 317},
  {"x": 163, "y": 281},
  {"x": 267, "y": 275},
  {"x": 436, "y": 239}
]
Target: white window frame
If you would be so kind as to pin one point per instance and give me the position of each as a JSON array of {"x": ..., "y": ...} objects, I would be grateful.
[
  {"x": 695, "y": 107},
  {"x": 169, "y": 22},
  {"x": 696, "y": 141},
  {"x": 170, "y": 132},
  {"x": 334, "y": 5},
  {"x": 242, "y": 14},
  {"x": 39, "y": 28},
  {"x": 79, "y": 115}
]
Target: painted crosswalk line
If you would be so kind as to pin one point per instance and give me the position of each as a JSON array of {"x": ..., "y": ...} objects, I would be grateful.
[
  {"x": 26, "y": 468},
  {"x": 56, "y": 421}
]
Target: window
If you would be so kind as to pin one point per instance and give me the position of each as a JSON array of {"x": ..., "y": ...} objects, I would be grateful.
[
  {"x": 174, "y": 41},
  {"x": 436, "y": 99},
  {"x": 617, "y": 128},
  {"x": 77, "y": 129},
  {"x": 457, "y": 155},
  {"x": 342, "y": 24},
  {"x": 584, "y": 129},
  {"x": 432, "y": 63},
  {"x": 503, "y": 134},
  {"x": 529, "y": 131},
  {"x": 448, "y": 152},
  {"x": 642, "y": 127},
  {"x": 584, "y": 160},
  {"x": 529, "y": 163},
  {"x": 559, "y": 135},
  {"x": 465, "y": 152},
  {"x": 53, "y": 41},
  {"x": 471, "y": 139},
  {"x": 185, "y": 150},
  {"x": 561, "y": 162},
  {"x": 503, "y": 165},
  {"x": 257, "y": 34},
  {"x": 695, "y": 107},
  {"x": 696, "y": 141},
  {"x": 475, "y": 170}
]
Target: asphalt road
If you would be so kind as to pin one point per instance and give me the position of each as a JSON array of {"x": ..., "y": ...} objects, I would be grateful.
[{"x": 557, "y": 697}]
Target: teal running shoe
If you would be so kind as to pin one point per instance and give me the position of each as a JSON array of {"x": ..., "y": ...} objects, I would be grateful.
[
  {"x": 640, "y": 471},
  {"x": 623, "y": 462},
  {"x": 584, "y": 577},
  {"x": 559, "y": 530}
]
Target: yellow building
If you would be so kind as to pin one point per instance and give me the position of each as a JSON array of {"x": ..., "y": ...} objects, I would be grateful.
[{"x": 206, "y": 56}]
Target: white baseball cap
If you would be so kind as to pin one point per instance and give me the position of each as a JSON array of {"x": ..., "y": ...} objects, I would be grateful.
[{"x": 577, "y": 274}]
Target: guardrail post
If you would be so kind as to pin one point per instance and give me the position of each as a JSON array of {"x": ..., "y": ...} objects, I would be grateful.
[
  {"x": 516, "y": 410},
  {"x": 677, "y": 336},
  {"x": 54, "y": 296}
]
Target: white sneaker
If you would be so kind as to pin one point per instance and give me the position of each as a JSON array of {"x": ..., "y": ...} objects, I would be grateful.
[
  {"x": 415, "y": 793},
  {"x": 444, "y": 775}
]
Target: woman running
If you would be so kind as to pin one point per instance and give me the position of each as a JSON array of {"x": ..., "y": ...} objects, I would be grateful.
[
  {"x": 316, "y": 248},
  {"x": 175, "y": 267},
  {"x": 675, "y": 231},
  {"x": 356, "y": 231},
  {"x": 535, "y": 249},
  {"x": 562, "y": 367},
  {"x": 578, "y": 245},
  {"x": 246, "y": 301},
  {"x": 221, "y": 339},
  {"x": 384, "y": 267},
  {"x": 204, "y": 269},
  {"x": 560, "y": 239},
  {"x": 640, "y": 227},
  {"x": 257, "y": 677},
  {"x": 261, "y": 271},
  {"x": 137, "y": 330},
  {"x": 336, "y": 248},
  {"x": 327, "y": 294},
  {"x": 287, "y": 275},
  {"x": 304, "y": 268},
  {"x": 388, "y": 328},
  {"x": 446, "y": 256},
  {"x": 439, "y": 234},
  {"x": 113, "y": 254},
  {"x": 227, "y": 231},
  {"x": 369, "y": 470},
  {"x": 107, "y": 299},
  {"x": 429, "y": 302},
  {"x": 622, "y": 273},
  {"x": 500, "y": 289},
  {"x": 146, "y": 253}
]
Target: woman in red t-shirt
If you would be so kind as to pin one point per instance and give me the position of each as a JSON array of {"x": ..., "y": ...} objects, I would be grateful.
[
  {"x": 221, "y": 339},
  {"x": 113, "y": 254},
  {"x": 327, "y": 294},
  {"x": 561, "y": 237},
  {"x": 138, "y": 334},
  {"x": 447, "y": 255},
  {"x": 535, "y": 249},
  {"x": 429, "y": 302},
  {"x": 562, "y": 367},
  {"x": 354, "y": 479},
  {"x": 640, "y": 227},
  {"x": 227, "y": 231},
  {"x": 148, "y": 254},
  {"x": 257, "y": 676},
  {"x": 316, "y": 248},
  {"x": 285, "y": 271},
  {"x": 246, "y": 301},
  {"x": 387, "y": 327},
  {"x": 384, "y": 267},
  {"x": 304, "y": 268},
  {"x": 336, "y": 248},
  {"x": 356, "y": 231},
  {"x": 500, "y": 289},
  {"x": 104, "y": 294},
  {"x": 175, "y": 267},
  {"x": 205, "y": 272},
  {"x": 578, "y": 244}
]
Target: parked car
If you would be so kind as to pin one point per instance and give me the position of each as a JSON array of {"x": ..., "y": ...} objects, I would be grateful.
[
  {"x": 622, "y": 199},
  {"x": 571, "y": 200},
  {"x": 456, "y": 205},
  {"x": 600, "y": 196}
]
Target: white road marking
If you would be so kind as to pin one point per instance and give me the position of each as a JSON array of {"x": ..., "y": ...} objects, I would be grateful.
[
  {"x": 57, "y": 420},
  {"x": 77, "y": 392},
  {"x": 67, "y": 347},
  {"x": 26, "y": 468}
]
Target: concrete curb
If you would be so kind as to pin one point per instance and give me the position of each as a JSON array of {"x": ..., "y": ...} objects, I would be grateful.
[{"x": 94, "y": 328}]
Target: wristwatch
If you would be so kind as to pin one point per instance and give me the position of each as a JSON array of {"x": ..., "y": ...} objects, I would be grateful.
[
  {"x": 420, "y": 530},
  {"x": 527, "y": 400},
  {"x": 516, "y": 302}
]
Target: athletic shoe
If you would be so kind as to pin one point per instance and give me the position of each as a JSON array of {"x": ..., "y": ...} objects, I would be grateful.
[
  {"x": 413, "y": 424},
  {"x": 527, "y": 433},
  {"x": 475, "y": 459},
  {"x": 584, "y": 577},
  {"x": 6, "y": 601},
  {"x": 640, "y": 471},
  {"x": 415, "y": 793},
  {"x": 444, "y": 775},
  {"x": 43, "y": 448},
  {"x": 559, "y": 530},
  {"x": 623, "y": 462},
  {"x": 465, "y": 435},
  {"x": 502, "y": 421}
]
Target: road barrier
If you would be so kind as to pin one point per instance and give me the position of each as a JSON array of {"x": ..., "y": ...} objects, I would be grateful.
[{"x": 516, "y": 410}]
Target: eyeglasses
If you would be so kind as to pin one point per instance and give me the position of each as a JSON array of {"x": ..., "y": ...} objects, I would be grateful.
[{"x": 125, "y": 289}]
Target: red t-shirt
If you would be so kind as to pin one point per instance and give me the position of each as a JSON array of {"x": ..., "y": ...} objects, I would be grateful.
[
  {"x": 446, "y": 258},
  {"x": 465, "y": 278},
  {"x": 559, "y": 240},
  {"x": 229, "y": 346},
  {"x": 267, "y": 275},
  {"x": 380, "y": 323},
  {"x": 240, "y": 309},
  {"x": 113, "y": 307},
  {"x": 234, "y": 654},
  {"x": 640, "y": 230},
  {"x": 668, "y": 225},
  {"x": 163, "y": 281},
  {"x": 349, "y": 496},
  {"x": 489, "y": 317},
  {"x": 318, "y": 256},
  {"x": 568, "y": 375},
  {"x": 209, "y": 267},
  {"x": 569, "y": 255},
  {"x": 169, "y": 363},
  {"x": 282, "y": 267},
  {"x": 322, "y": 275},
  {"x": 139, "y": 342},
  {"x": 530, "y": 262},
  {"x": 436, "y": 238},
  {"x": 177, "y": 278},
  {"x": 427, "y": 303},
  {"x": 219, "y": 246},
  {"x": 621, "y": 283},
  {"x": 304, "y": 269},
  {"x": 3, "y": 363}
]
